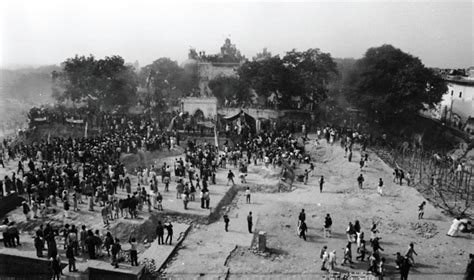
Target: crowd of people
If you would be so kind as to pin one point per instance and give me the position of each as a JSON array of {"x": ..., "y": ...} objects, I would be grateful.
[{"x": 74, "y": 170}]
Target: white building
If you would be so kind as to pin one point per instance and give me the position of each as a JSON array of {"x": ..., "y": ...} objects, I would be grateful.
[{"x": 458, "y": 103}]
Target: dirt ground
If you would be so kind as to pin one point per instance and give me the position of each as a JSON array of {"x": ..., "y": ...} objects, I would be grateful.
[{"x": 210, "y": 253}]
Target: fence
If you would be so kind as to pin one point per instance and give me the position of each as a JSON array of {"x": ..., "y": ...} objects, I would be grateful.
[{"x": 436, "y": 178}]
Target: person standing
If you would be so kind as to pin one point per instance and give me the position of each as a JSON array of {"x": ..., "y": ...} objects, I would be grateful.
[
  {"x": 56, "y": 267},
  {"x": 332, "y": 260},
  {"x": 250, "y": 222},
  {"x": 321, "y": 183},
  {"x": 230, "y": 178},
  {"x": 38, "y": 242},
  {"x": 160, "y": 232},
  {"x": 380, "y": 186},
  {"x": 226, "y": 222},
  {"x": 169, "y": 229},
  {"x": 247, "y": 195},
  {"x": 327, "y": 226},
  {"x": 115, "y": 251},
  {"x": 360, "y": 181},
  {"x": 306, "y": 175},
  {"x": 133, "y": 251},
  {"x": 71, "y": 258},
  {"x": 301, "y": 216},
  {"x": 26, "y": 210}
]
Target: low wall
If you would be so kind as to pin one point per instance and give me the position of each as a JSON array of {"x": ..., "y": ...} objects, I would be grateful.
[
  {"x": 8, "y": 203},
  {"x": 22, "y": 267},
  {"x": 102, "y": 274}
]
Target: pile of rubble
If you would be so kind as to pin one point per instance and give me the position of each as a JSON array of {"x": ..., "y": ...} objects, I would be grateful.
[{"x": 424, "y": 229}]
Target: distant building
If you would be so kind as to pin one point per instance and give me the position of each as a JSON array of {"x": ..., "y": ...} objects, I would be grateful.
[{"x": 457, "y": 105}]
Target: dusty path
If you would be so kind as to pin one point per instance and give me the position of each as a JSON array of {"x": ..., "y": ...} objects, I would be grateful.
[{"x": 205, "y": 251}]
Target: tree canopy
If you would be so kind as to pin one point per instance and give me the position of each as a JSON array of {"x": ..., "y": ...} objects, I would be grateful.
[
  {"x": 391, "y": 84},
  {"x": 107, "y": 80},
  {"x": 165, "y": 75},
  {"x": 298, "y": 74},
  {"x": 231, "y": 89}
]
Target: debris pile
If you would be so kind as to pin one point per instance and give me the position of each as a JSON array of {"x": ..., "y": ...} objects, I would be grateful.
[{"x": 424, "y": 229}]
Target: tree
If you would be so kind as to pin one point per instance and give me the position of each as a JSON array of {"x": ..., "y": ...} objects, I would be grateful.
[
  {"x": 309, "y": 73},
  {"x": 232, "y": 89},
  {"x": 264, "y": 76},
  {"x": 390, "y": 84},
  {"x": 108, "y": 80},
  {"x": 164, "y": 76},
  {"x": 301, "y": 74}
]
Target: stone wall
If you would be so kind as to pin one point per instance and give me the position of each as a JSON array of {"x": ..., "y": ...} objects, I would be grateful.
[{"x": 208, "y": 105}]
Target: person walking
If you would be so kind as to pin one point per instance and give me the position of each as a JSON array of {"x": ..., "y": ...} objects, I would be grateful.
[
  {"x": 247, "y": 195},
  {"x": 321, "y": 183},
  {"x": 332, "y": 260},
  {"x": 347, "y": 254},
  {"x": 160, "y": 232},
  {"x": 324, "y": 256},
  {"x": 380, "y": 186},
  {"x": 362, "y": 251},
  {"x": 169, "y": 229},
  {"x": 404, "y": 268},
  {"x": 411, "y": 251},
  {"x": 250, "y": 222},
  {"x": 226, "y": 222},
  {"x": 303, "y": 229},
  {"x": 360, "y": 181},
  {"x": 421, "y": 210}
]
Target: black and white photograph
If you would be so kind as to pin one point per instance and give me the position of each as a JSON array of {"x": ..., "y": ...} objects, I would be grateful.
[{"x": 236, "y": 139}]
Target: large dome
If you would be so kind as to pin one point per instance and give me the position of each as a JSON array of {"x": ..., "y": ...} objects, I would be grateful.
[{"x": 189, "y": 62}]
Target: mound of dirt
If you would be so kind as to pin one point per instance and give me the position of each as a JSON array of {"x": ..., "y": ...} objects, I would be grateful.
[
  {"x": 425, "y": 229},
  {"x": 264, "y": 172},
  {"x": 140, "y": 159}
]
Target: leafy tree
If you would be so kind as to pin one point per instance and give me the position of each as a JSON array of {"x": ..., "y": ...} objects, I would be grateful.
[
  {"x": 304, "y": 74},
  {"x": 391, "y": 84},
  {"x": 232, "y": 89},
  {"x": 264, "y": 76},
  {"x": 308, "y": 74},
  {"x": 108, "y": 80},
  {"x": 164, "y": 76}
]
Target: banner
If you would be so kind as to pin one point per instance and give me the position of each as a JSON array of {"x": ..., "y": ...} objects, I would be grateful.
[{"x": 71, "y": 120}]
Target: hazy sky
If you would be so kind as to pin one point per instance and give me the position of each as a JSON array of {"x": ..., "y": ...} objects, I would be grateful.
[{"x": 47, "y": 32}]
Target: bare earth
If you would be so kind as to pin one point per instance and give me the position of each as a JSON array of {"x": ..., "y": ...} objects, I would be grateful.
[{"x": 209, "y": 252}]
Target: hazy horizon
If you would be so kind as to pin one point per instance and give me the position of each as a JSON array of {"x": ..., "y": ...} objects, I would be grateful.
[{"x": 35, "y": 33}]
